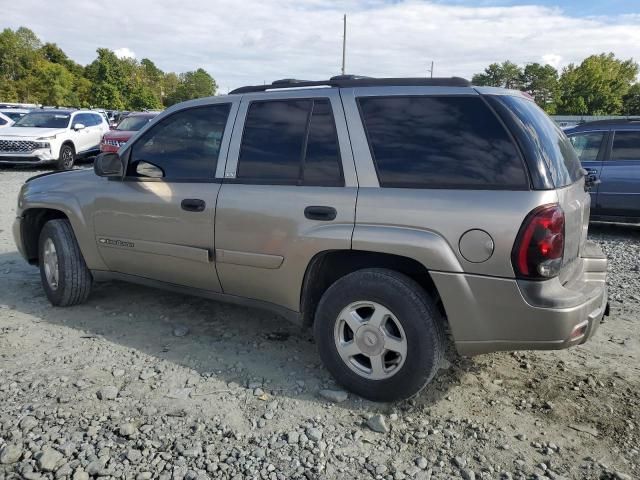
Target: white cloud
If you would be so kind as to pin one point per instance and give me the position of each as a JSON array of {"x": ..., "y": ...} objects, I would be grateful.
[
  {"x": 124, "y": 52},
  {"x": 252, "y": 41}
]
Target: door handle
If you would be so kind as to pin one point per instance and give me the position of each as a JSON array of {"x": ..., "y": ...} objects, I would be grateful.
[
  {"x": 320, "y": 213},
  {"x": 193, "y": 205}
]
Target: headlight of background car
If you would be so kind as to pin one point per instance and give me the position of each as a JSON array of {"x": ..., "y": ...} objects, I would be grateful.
[{"x": 42, "y": 144}]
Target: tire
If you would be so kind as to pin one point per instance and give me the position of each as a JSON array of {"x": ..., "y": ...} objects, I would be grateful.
[
  {"x": 73, "y": 281},
  {"x": 67, "y": 157},
  {"x": 411, "y": 314}
]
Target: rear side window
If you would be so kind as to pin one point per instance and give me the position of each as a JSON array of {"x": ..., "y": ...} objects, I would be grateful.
[
  {"x": 547, "y": 140},
  {"x": 587, "y": 145},
  {"x": 183, "y": 146},
  {"x": 290, "y": 142},
  {"x": 440, "y": 142},
  {"x": 626, "y": 146}
]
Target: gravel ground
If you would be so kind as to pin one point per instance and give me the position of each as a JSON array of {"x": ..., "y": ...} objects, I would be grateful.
[{"x": 140, "y": 384}]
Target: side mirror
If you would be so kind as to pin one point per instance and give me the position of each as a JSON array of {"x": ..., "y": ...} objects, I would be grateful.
[
  {"x": 78, "y": 126},
  {"x": 108, "y": 164}
]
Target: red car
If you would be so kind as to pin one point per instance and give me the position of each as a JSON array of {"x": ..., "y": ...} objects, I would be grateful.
[{"x": 114, "y": 139}]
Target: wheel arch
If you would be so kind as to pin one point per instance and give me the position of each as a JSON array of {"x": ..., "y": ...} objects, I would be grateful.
[
  {"x": 33, "y": 219},
  {"x": 328, "y": 266}
]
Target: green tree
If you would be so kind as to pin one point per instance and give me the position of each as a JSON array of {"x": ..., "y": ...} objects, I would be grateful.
[
  {"x": 108, "y": 82},
  {"x": 631, "y": 101},
  {"x": 506, "y": 74},
  {"x": 49, "y": 84},
  {"x": 541, "y": 82},
  {"x": 191, "y": 85},
  {"x": 597, "y": 86}
]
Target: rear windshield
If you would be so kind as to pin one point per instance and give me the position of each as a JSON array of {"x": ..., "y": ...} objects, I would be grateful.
[
  {"x": 134, "y": 123},
  {"x": 549, "y": 140}
]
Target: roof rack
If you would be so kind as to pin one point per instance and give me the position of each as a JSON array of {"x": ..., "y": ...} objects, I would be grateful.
[{"x": 346, "y": 81}]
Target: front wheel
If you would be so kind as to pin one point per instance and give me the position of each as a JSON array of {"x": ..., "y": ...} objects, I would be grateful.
[
  {"x": 67, "y": 158},
  {"x": 65, "y": 277},
  {"x": 379, "y": 334}
]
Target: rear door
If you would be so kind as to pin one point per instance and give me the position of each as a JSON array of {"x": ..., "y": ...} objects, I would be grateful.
[
  {"x": 591, "y": 147},
  {"x": 289, "y": 192},
  {"x": 619, "y": 194}
]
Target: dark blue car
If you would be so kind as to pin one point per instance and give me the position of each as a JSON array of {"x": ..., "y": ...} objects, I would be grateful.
[{"x": 610, "y": 151}]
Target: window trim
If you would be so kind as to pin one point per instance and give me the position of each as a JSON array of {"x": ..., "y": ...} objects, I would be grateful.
[
  {"x": 126, "y": 157},
  {"x": 426, "y": 186},
  {"x": 604, "y": 143},
  {"x": 303, "y": 151},
  {"x": 613, "y": 132}
]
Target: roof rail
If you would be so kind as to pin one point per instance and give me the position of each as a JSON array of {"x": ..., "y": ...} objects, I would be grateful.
[
  {"x": 346, "y": 81},
  {"x": 614, "y": 121}
]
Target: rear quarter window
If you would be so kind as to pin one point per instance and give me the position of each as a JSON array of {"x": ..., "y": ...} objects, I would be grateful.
[
  {"x": 546, "y": 139},
  {"x": 440, "y": 142}
]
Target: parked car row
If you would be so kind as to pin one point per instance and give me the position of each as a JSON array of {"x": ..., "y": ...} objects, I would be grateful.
[{"x": 60, "y": 136}]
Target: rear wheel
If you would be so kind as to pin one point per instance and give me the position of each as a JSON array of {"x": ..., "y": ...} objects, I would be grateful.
[
  {"x": 67, "y": 158},
  {"x": 379, "y": 334},
  {"x": 65, "y": 277}
]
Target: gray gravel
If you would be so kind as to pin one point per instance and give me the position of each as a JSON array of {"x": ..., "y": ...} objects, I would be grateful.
[{"x": 141, "y": 384}]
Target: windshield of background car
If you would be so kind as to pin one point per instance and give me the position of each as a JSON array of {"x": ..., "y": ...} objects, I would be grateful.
[
  {"x": 133, "y": 123},
  {"x": 44, "y": 120},
  {"x": 15, "y": 116},
  {"x": 549, "y": 140}
]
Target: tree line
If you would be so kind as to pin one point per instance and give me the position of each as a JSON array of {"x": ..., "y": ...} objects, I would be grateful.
[
  {"x": 600, "y": 85},
  {"x": 41, "y": 73}
]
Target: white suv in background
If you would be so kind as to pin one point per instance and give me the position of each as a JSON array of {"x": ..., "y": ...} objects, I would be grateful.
[{"x": 52, "y": 136}]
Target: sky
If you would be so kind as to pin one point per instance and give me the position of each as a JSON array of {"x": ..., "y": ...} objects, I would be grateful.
[{"x": 245, "y": 42}]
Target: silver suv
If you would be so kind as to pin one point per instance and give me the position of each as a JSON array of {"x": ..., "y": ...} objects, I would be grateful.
[{"x": 380, "y": 212}]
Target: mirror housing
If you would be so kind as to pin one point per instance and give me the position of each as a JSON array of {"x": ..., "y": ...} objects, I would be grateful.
[
  {"x": 108, "y": 164},
  {"x": 78, "y": 126}
]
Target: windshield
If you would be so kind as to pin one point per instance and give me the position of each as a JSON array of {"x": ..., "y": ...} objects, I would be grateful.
[
  {"x": 133, "y": 123},
  {"x": 44, "y": 120},
  {"x": 15, "y": 116}
]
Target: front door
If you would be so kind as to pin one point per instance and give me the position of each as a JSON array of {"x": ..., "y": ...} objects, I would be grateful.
[
  {"x": 619, "y": 194},
  {"x": 289, "y": 192},
  {"x": 590, "y": 147},
  {"x": 158, "y": 222}
]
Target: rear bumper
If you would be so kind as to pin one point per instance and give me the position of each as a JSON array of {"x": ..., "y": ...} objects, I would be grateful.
[{"x": 488, "y": 314}]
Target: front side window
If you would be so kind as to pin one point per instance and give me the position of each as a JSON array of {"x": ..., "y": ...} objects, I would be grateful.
[
  {"x": 626, "y": 146},
  {"x": 290, "y": 142},
  {"x": 440, "y": 142},
  {"x": 44, "y": 120},
  {"x": 587, "y": 145},
  {"x": 96, "y": 120},
  {"x": 83, "y": 118},
  {"x": 184, "y": 145}
]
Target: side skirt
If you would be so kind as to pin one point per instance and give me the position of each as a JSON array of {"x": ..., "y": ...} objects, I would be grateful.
[{"x": 290, "y": 315}]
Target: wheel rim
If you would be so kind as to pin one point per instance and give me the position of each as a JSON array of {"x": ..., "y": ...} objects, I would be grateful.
[
  {"x": 370, "y": 340},
  {"x": 50, "y": 263},
  {"x": 67, "y": 157}
]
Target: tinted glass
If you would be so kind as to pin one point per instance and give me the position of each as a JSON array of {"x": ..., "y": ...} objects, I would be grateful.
[
  {"x": 322, "y": 161},
  {"x": 587, "y": 145},
  {"x": 134, "y": 123},
  {"x": 440, "y": 142},
  {"x": 184, "y": 145},
  {"x": 44, "y": 120},
  {"x": 550, "y": 142},
  {"x": 273, "y": 138},
  {"x": 626, "y": 146},
  {"x": 14, "y": 115},
  {"x": 3, "y": 121},
  {"x": 97, "y": 119},
  {"x": 83, "y": 118}
]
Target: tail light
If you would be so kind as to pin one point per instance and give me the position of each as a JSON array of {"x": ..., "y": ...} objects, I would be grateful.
[{"x": 537, "y": 253}]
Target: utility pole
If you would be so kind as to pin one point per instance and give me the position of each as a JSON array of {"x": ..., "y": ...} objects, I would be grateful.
[
  {"x": 344, "y": 40},
  {"x": 431, "y": 69}
]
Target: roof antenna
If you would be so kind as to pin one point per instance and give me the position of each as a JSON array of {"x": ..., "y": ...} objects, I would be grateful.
[{"x": 344, "y": 40}]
